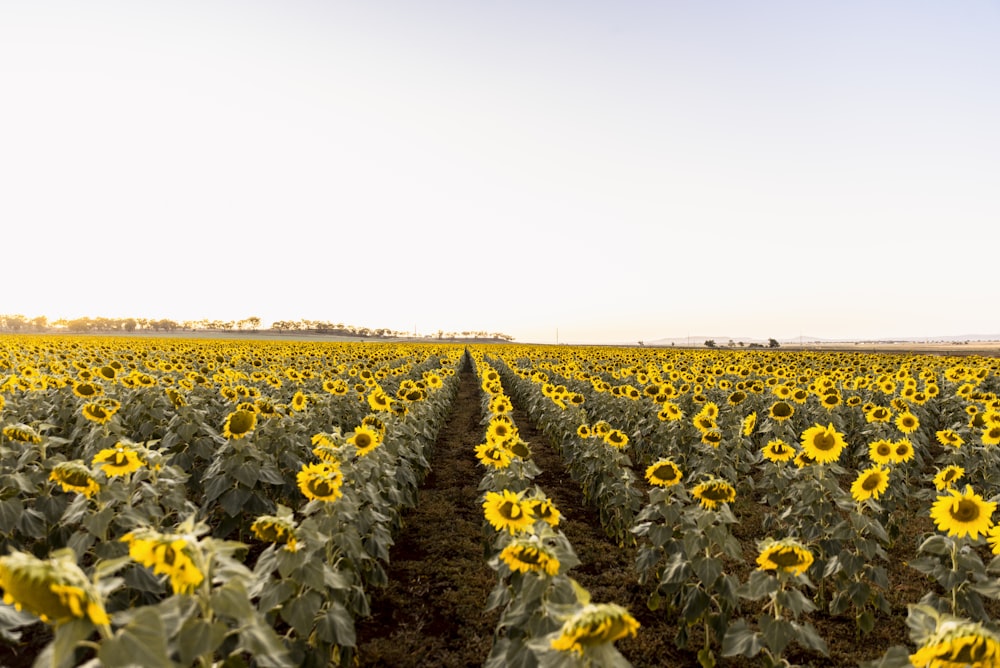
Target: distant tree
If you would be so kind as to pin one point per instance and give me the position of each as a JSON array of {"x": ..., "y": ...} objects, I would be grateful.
[
  {"x": 773, "y": 343},
  {"x": 130, "y": 325},
  {"x": 710, "y": 343}
]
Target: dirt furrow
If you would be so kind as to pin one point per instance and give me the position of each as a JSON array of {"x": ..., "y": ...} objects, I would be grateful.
[{"x": 431, "y": 611}]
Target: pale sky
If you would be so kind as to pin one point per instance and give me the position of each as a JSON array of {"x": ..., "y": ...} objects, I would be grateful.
[{"x": 613, "y": 171}]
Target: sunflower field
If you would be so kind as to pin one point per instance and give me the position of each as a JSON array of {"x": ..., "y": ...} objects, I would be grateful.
[
  {"x": 182, "y": 502},
  {"x": 186, "y": 502}
]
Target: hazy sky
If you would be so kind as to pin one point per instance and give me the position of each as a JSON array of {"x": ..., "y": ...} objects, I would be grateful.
[{"x": 615, "y": 171}]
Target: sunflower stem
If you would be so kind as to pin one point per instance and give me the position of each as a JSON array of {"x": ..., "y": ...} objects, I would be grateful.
[{"x": 954, "y": 568}]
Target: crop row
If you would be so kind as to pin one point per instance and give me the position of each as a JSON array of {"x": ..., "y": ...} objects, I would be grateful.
[
  {"x": 179, "y": 503},
  {"x": 834, "y": 457}
]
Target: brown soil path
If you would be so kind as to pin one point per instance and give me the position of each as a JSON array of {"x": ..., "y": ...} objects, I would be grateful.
[{"x": 431, "y": 612}]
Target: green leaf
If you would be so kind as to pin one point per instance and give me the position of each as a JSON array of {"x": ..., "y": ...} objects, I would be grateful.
[
  {"x": 759, "y": 585},
  {"x": 142, "y": 642},
  {"x": 866, "y": 621},
  {"x": 777, "y": 633},
  {"x": 231, "y": 600},
  {"x": 199, "y": 637},
  {"x": 274, "y": 594},
  {"x": 31, "y": 523},
  {"x": 10, "y": 514},
  {"x": 936, "y": 544},
  {"x": 337, "y": 626},
  {"x": 807, "y": 636},
  {"x": 741, "y": 641},
  {"x": 234, "y": 500},
  {"x": 707, "y": 569},
  {"x": 264, "y": 645},
  {"x": 246, "y": 472},
  {"x": 300, "y": 612}
]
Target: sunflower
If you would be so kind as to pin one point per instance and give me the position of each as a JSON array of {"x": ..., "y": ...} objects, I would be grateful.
[
  {"x": 500, "y": 404},
  {"x": 616, "y": 438},
  {"x": 122, "y": 459},
  {"x": 778, "y": 451},
  {"x": 787, "y": 555},
  {"x": 376, "y": 423},
  {"x": 907, "y": 422},
  {"x": 712, "y": 437},
  {"x": 802, "y": 459},
  {"x": 947, "y": 476},
  {"x": 749, "y": 422},
  {"x": 365, "y": 438},
  {"x": 544, "y": 509},
  {"x": 949, "y": 437},
  {"x": 528, "y": 554},
  {"x": 713, "y": 493},
  {"x": 337, "y": 387},
  {"x": 669, "y": 412},
  {"x": 74, "y": 476},
  {"x": 172, "y": 555},
  {"x": 881, "y": 451},
  {"x": 704, "y": 423},
  {"x": 378, "y": 400},
  {"x": 780, "y": 411},
  {"x": 239, "y": 423},
  {"x": 508, "y": 511},
  {"x": 823, "y": 444},
  {"x": 500, "y": 430},
  {"x": 878, "y": 414},
  {"x": 601, "y": 428},
  {"x": 100, "y": 412},
  {"x": 595, "y": 624},
  {"x": 902, "y": 451},
  {"x": 736, "y": 398},
  {"x": 321, "y": 481},
  {"x": 830, "y": 400},
  {"x": 493, "y": 456},
  {"x": 991, "y": 435},
  {"x": 870, "y": 483},
  {"x": 583, "y": 431},
  {"x": 280, "y": 530},
  {"x": 87, "y": 390},
  {"x": 21, "y": 433},
  {"x": 55, "y": 590},
  {"x": 963, "y": 513},
  {"x": 663, "y": 473},
  {"x": 958, "y": 643},
  {"x": 299, "y": 402}
]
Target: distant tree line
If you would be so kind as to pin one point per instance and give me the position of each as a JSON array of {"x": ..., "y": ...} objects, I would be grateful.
[{"x": 22, "y": 324}]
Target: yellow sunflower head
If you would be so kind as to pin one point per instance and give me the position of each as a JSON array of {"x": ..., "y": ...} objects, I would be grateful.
[
  {"x": 958, "y": 643},
  {"x": 74, "y": 476},
  {"x": 528, "y": 554},
  {"x": 663, "y": 473},
  {"x": 55, "y": 589},
  {"x": 947, "y": 477},
  {"x": 787, "y": 555},
  {"x": 595, "y": 624},
  {"x": 713, "y": 493},
  {"x": 321, "y": 481},
  {"x": 239, "y": 424},
  {"x": 870, "y": 483},
  {"x": 823, "y": 444},
  {"x": 963, "y": 513},
  {"x": 365, "y": 438},
  {"x": 124, "y": 458},
  {"x": 778, "y": 451},
  {"x": 508, "y": 511}
]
